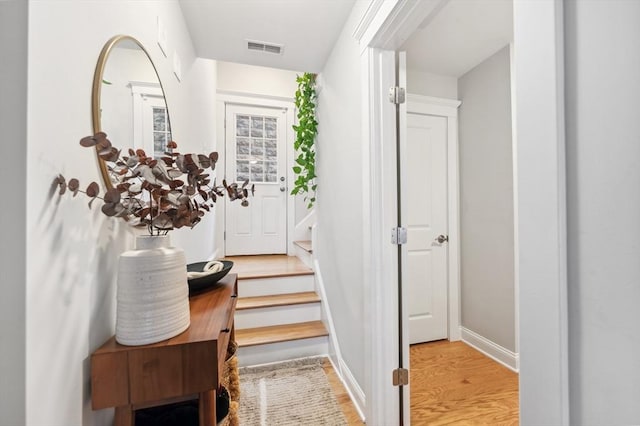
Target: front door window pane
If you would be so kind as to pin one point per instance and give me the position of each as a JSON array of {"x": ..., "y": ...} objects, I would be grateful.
[{"x": 257, "y": 156}]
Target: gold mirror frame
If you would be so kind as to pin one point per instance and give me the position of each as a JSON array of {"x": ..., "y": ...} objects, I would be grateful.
[{"x": 96, "y": 91}]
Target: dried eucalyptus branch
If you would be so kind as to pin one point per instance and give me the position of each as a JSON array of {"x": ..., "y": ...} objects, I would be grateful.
[{"x": 159, "y": 193}]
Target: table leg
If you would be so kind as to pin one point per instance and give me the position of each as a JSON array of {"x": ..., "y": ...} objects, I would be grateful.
[
  {"x": 125, "y": 416},
  {"x": 207, "y": 408}
]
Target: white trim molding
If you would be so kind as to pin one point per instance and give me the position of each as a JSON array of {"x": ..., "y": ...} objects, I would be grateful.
[
  {"x": 380, "y": 267},
  {"x": 514, "y": 162},
  {"x": 353, "y": 388},
  {"x": 453, "y": 181},
  {"x": 140, "y": 92},
  {"x": 397, "y": 21},
  {"x": 243, "y": 98},
  {"x": 349, "y": 382},
  {"x": 372, "y": 20},
  {"x": 509, "y": 359},
  {"x": 367, "y": 18},
  {"x": 431, "y": 105},
  {"x": 145, "y": 88},
  {"x": 542, "y": 231}
]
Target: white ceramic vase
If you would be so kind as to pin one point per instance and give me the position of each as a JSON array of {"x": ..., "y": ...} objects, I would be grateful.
[{"x": 152, "y": 295}]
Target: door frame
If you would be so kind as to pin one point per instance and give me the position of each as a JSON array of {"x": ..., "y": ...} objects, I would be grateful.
[
  {"x": 447, "y": 108},
  {"x": 540, "y": 181},
  {"x": 224, "y": 98},
  {"x": 140, "y": 90}
]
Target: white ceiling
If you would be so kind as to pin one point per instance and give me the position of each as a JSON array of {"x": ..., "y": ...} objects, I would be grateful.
[
  {"x": 460, "y": 35},
  {"x": 308, "y": 29}
]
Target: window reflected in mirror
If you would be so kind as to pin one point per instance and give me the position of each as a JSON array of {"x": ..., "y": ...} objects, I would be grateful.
[{"x": 128, "y": 99}]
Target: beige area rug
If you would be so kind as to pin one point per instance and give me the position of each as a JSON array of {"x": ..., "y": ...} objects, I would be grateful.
[{"x": 289, "y": 393}]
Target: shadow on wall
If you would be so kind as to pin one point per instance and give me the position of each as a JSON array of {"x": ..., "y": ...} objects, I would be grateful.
[
  {"x": 84, "y": 259},
  {"x": 114, "y": 237}
]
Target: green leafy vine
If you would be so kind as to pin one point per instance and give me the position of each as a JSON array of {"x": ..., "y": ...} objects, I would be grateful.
[{"x": 306, "y": 131}]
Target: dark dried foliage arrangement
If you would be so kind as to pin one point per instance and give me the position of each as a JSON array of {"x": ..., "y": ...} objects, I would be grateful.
[{"x": 161, "y": 194}]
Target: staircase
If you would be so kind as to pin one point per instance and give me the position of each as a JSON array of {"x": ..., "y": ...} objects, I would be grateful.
[
  {"x": 304, "y": 252},
  {"x": 278, "y": 314}
]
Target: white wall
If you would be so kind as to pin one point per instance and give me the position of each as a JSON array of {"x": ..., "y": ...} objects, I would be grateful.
[
  {"x": 339, "y": 209},
  {"x": 602, "y": 57},
  {"x": 430, "y": 84},
  {"x": 13, "y": 128},
  {"x": 196, "y": 132},
  {"x": 257, "y": 80},
  {"x": 486, "y": 201},
  {"x": 72, "y": 251}
]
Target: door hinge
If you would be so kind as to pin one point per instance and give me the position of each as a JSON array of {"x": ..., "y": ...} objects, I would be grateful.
[
  {"x": 396, "y": 95},
  {"x": 224, "y": 235},
  {"x": 399, "y": 235},
  {"x": 400, "y": 377}
]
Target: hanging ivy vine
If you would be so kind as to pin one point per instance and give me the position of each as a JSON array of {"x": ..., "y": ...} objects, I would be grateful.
[{"x": 306, "y": 131}]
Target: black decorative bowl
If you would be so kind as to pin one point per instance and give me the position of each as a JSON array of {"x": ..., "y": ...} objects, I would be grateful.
[{"x": 197, "y": 284}]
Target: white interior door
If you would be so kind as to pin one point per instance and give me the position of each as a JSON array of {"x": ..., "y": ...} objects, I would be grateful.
[
  {"x": 426, "y": 204},
  {"x": 256, "y": 150}
]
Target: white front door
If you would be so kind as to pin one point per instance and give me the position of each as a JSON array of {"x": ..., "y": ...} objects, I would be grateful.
[
  {"x": 256, "y": 151},
  {"x": 426, "y": 204}
]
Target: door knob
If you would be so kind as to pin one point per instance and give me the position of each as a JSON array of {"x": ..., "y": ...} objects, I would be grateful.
[
  {"x": 282, "y": 189},
  {"x": 442, "y": 238}
]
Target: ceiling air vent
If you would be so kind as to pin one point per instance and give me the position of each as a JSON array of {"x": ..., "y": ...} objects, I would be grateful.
[{"x": 262, "y": 46}]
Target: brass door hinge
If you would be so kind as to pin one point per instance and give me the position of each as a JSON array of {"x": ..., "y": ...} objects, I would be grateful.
[{"x": 400, "y": 377}]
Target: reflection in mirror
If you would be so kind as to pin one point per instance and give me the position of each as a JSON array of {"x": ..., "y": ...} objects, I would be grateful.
[{"x": 128, "y": 100}]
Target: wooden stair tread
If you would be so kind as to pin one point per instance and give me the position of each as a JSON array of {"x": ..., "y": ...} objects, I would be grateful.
[
  {"x": 268, "y": 266},
  {"x": 280, "y": 333},
  {"x": 304, "y": 245},
  {"x": 277, "y": 300}
]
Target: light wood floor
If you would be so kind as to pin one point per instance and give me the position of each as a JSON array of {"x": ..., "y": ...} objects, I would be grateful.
[{"x": 453, "y": 384}]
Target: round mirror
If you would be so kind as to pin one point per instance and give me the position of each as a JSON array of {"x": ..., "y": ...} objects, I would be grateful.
[{"x": 128, "y": 100}]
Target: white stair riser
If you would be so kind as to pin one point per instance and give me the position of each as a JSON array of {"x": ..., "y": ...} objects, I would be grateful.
[
  {"x": 304, "y": 256},
  {"x": 276, "y": 285},
  {"x": 276, "y": 315},
  {"x": 274, "y": 352}
]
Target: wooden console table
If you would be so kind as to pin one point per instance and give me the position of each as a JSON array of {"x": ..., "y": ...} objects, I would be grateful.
[{"x": 185, "y": 367}]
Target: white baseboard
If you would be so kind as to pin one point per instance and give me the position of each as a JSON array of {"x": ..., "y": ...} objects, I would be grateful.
[
  {"x": 304, "y": 256},
  {"x": 504, "y": 356},
  {"x": 301, "y": 231},
  {"x": 351, "y": 385},
  {"x": 335, "y": 356},
  {"x": 215, "y": 254}
]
